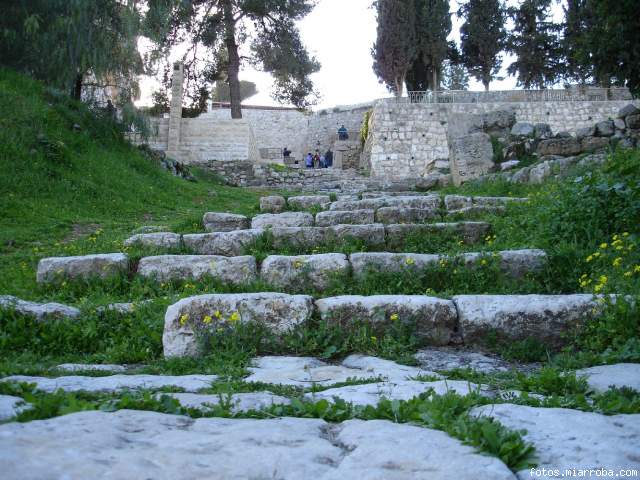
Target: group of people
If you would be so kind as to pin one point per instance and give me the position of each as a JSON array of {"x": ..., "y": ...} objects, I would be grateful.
[{"x": 319, "y": 160}]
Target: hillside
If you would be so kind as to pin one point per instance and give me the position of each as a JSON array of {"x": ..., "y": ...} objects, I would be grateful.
[{"x": 67, "y": 174}]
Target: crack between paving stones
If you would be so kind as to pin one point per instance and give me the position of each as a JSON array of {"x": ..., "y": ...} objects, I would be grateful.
[{"x": 330, "y": 432}]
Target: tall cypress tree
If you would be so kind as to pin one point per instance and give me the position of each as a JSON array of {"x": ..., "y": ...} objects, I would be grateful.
[
  {"x": 483, "y": 36},
  {"x": 395, "y": 49},
  {"x": 432, "y": 28},
  {"x": 534, "y": 40},
  {"x": 577, "y": 23}
]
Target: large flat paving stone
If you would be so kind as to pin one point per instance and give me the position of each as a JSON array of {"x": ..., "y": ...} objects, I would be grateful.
[
  {"x": 515, "y": 263},
  {"x": 349, "y": 217},
  {"x": 299, "y": 237},
  {"x": 517, "y": 317},
  {"x": 284, "y": 219},
  {"x": 57, "y": 269},
  {"x": 315, "y": 271},
  {"x": 568, "y": 439},
  {"x": 221, "y": 243},
  {"x": 238, "y": 402},
  {"x": 40, "y": 311},
  {"x": 307, "y": 371},
  {"x": 115, "y": 383},
  {"x": 139, "y": 445},
  {"x": 434, "y": 358},
  {"x": 224, "y": 222},
  {"x": 365, "y": 204},
  {"x": 185, "y": 320},
  {"x": 385, "y": 262},
  {"x": 391, "y": 215},
  {"x": 272, "y": 204},
  {"x": 90, "y": 367},
  {"x": 372, "y": 393},
  {"x": 435, "y": 319},
  {"x": 11, "y": 407},
  {"x": 372, "y": 235},
  {"x": 160, "y": 240},
  {"x": 619, "y": 375},
  {"x": 238, "y": 270}
]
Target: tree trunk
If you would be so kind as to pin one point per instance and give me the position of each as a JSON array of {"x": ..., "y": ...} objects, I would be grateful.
[
  {"x": 435, "y": 85},
  {"x": 485, "y": 82},
  {"x": 76, "y": 93},
  {"x": 233, "y": 69}
]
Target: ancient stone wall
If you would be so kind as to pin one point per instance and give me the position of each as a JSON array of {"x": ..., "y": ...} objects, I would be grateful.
[
  {"x": 323, "y": 126},
  {"x": 410, "y": 140}
]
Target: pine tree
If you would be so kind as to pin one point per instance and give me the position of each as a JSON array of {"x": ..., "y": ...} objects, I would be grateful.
[
  {"x": 483, "y": 37},
  {"x": 534, "y": 40},
  {"x": 454, "y": 76},
  {"x": 215, "y": 31},
  {"x": 395, "y": 49}
]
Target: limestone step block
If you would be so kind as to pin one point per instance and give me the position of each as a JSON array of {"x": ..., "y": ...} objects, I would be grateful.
[
  {"x": 345, "y": 217},
  {"x": 498, "y": 201},
  {"x": 391, "y": 194},
  {"x": 435, "y": 319},
  {"x": 469, "y": 232},
  {"x": 565, "y": 147},
  {"x": 372, "y": 235},
  {"x": 478, "y": 209},
  {"x": 224, "y": 222},
  {"x": 299, "y": 237},
  {"x": 449, "y": 358},
  {"x": 39, "y": 311},
  {"x": 239, "y": 402},
  {"x": 238, "y": 270},
  {"x": 229, "y": 244},
  {"x": 517, "y": 317},
  {"x": 391, "y": 215},
  {"x": 425, "y": 202},
  {"x": 57, "y": 269},
  {"x": 164, "y": 240},
  {"x": 285, "y": 219},
  {"x": 272, "y": 204},
  {"x": 89, "y": 367},
  {"x": 385, "y": 262},
  {"x": 306, "y": 202},
  {"x": 116, "y": 383},
  {"x": 603, "y": 377},
  {"x": 372, "y": 393},
  {"x": 11, "y": 407},
  {"x": 456, "y": 202},
  {"x": 307, "y": 371},
  {"x": 314, "y": 271},
  {"x": 567, "y": 439},
  {"x": 515, "y": 263},
  {"x": 124, "y": 308},
  {"x": 162, "y": 446},
  {"x": 365, "y": 204},
  {"x": 194, "y": 316}
]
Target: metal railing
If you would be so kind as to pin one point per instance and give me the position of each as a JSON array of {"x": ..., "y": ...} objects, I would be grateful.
[{"x": 559, "y": 95}]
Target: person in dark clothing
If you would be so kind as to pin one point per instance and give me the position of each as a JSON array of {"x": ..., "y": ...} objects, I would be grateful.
[
  {"x": 328, "y": 158},
  {"x": 316, "y": 160},
  {"x": 308, "y": 160},
  {"x": 286, "y": 153},
  {"x": 342, "y": 133}
]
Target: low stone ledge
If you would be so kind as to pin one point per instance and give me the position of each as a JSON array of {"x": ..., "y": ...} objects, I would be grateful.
[
  {"x": 366, "y": 204},
  {"x": 518, "y": 317},
  {"x": 498, "y": 201},
  {"x": 391, "y": 215},
  {"x": 192, "y": 316},
  {"x": 285, "y": 219},
  {"x": 380, "y": 262},
  {"x": 435, "y": 319},
  {"x": 237, "y": 270},
  {"x": 340, "y": 217},
  {"x": 469, "y": 232},
  {"x": 305, "y": 202},
  {"x": 425, "y": 202},
  {"x": 222, "y": 243},
  {"x": 372, "y": 235},
  {"x": 478, "y": 210},
  {"x": 272, "y": 204},
  {"x": 456, "y": 202},
  {"x": 55, "y": 269},
  {"x": 515, "y": 263},
  {"x": 298, "y": 237},
  {"x": 224, "y": 222},
  {"x": 315, "y": 271},
  {"x": 164, "y": 240},
  {"x": 39, "y": 311}
]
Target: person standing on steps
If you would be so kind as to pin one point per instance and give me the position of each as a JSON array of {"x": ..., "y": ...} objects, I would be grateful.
[
  {"x": 286, "y": 154},
  {"x": 316, "y": 160},
  {"x": 322, "y": 161},
  {"x": 342, "y": 133},
  {"x": 309, "y": 161},
  {"x": 328, "y": 158}
]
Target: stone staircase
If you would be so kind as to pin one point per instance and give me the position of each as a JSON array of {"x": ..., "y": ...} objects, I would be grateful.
[{"x": 160, "y": 445}]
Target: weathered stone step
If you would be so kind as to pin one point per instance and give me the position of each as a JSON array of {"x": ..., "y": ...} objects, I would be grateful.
[
  {"x": 239, "y": 402},
  {"x": 57, "y": 269},
  {"x": 116, "y": 383},
  {"x": 236, "y": 270},
  {"x": 90, "y": 445},
  {"x": 316, "y": 270},
  {"x": 222, "y": 243},
  {"x": 470, "y": 318},
  {"x": 40, "y": 311},
  {"x": 285, "y": 219},
  {"x": 164, "y": 240},
  {"x": 11, "y": 407},
  {"x": 602, "y": 377},
  {"x": 225, "y": 222}
]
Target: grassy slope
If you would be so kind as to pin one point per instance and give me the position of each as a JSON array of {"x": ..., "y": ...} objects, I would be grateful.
[{"x": 56, "y": 180}]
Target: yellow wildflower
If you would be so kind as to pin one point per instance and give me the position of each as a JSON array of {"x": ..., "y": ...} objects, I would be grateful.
[
  {"x": 217, "y": 314},
  {"x": 394, "y": 317},
  {"x": 483, "y": 262},
  {"x": 625, "y": 234},
  {"x": 617, "y": 262},
  {"x": 409, "y": 261},
  {"x": 183, "y": 319},
  {"x": 603, "y": 279},
  {"x": 207, "y": 319},
  {"x": 604, "y": 245},
  {"x": 235, "y": 316},
  {"x": 374, "y": 339},
  {"x": 636, "y": 269},
  {"x": 297, "y": 264},
  {"x": 597, "y": 288},
  {"x": 628, "y": 274}
]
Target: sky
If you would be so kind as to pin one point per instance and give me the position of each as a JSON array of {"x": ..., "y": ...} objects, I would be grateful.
[{"x": 340, "y": 34}]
